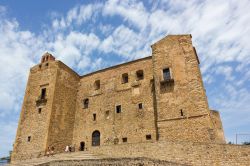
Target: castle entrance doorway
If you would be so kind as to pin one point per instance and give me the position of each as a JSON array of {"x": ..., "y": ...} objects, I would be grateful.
[
  {"x": 82, "y": 146},
  {"x": 96, "y": 138}
]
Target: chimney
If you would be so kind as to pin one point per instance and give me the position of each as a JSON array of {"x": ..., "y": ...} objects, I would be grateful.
[{"x": 47, "y": 57}]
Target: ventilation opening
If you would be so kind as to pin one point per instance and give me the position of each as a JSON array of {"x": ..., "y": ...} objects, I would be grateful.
[
  {"x": 166, "y": 74},
  {"x": 139, "y": 75},
  {"x": 140, "y": 105},
  {"x": 29, "y": 138},
  {"x": 97, "y": 84},
  {"x": 43, "y": 93},
  {"x": 118, "y": 109},
  {"x": 39, "y": 110},
  {"x": 182, "y": 114},
  {"x": 125, "y": 78},
  {"x": 148, "y": 137},
  {"x": 94, "y": 117},
  {"x": 85, "y": 103},
  {"x": 125, "y": 139}
]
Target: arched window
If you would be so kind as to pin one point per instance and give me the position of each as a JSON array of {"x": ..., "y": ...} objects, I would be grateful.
[
  {"x": 85, "y": 103},
  {"x": 96, "y": 138}
]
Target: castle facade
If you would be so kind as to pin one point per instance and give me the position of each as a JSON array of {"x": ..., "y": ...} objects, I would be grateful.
[{"x": 156, "y": 98}]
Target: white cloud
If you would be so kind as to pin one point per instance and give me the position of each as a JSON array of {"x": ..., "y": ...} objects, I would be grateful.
[
  {"x": 76, "y": 16},
  {"x": 72, "y": 47},
  {"x": 125, "y": 42},
  {"x": 131, "y": 11}
]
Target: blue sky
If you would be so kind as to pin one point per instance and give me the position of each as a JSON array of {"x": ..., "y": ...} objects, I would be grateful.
[{"x": 90, "y": 35}]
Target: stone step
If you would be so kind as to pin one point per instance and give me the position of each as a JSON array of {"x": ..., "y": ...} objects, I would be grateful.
[{"x": 60, "y": 157}]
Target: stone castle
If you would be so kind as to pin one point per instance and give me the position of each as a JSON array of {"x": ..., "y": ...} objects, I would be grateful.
[{"x": 160, "y": 98}]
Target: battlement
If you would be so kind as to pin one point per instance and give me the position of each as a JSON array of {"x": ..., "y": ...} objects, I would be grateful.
[{"x": 47, "y": 57}]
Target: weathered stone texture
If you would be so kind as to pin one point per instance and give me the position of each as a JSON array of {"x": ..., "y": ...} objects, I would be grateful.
[
  {"x": 173, "y": 109},
  {"x": 132, "y": 123},
  {"x": 113, "y": 162},
  {"x": 187, "y": 153}
]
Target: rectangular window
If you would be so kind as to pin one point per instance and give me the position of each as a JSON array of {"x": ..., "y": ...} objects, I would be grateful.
[
  {"x": 29, "y": 138},
  {"x": 94, "y": 117},
  {"x": 118, "y": 109},
  {"x": 148, "y": 137},
  {"x": 166, "y": 74},
  {"x": 86, "y": 103},
  {"x": 39, "y": 110},
  {"x": 139, "y": 75},
  {"x": 43, "y": 93},
  {"x": 97, "y": 84},
  {"x": 125, "y": 78},
  {"x": 125, "y": 139},
  {"x": 140, "y": 105}
]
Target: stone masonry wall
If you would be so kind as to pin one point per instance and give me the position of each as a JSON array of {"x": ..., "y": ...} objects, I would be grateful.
[
  {"x": 188, "y": 153},
  {"x": 63, "y": 108},
  {"x": 32, "y": 123},
  {"x": 182, "y": 107},
  {"x": 132, "y": 123}
]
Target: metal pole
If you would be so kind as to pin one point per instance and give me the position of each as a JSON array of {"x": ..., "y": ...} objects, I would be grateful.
[{"x": 236, "y": 138}]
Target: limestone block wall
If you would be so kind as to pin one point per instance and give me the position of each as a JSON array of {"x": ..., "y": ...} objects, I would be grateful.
[
  {"x": 217, "y": 124},
  {"x": 63, "y": 108},
  {"x": 182, "y": 107},
  {"x": 190, "y": 153},
  {"x": 132, "y": 123},
  {"x": 32, "y": 123}
]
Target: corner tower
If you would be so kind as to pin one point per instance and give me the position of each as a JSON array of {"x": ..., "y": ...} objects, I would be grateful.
[
  {"x": 47, "y": 115},
  {"x": 181, "y": 103}
]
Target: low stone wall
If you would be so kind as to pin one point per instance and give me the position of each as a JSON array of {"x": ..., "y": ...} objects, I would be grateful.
[
  {"x": 112, "y": 162},
  {"x": 187, "y": 153}
]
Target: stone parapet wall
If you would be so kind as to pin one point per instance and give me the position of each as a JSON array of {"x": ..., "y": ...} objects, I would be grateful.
[
  {"x": 181, "y": 152},
  {"x": 110, "y": 162}
]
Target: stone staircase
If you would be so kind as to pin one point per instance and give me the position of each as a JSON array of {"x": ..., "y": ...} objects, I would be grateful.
[{"x": 59, "y": 157}]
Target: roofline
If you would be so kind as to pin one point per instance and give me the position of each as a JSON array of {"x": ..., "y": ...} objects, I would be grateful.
[
  {"x": 115, "y": 66},
  {"x": 169, "y": 36}
]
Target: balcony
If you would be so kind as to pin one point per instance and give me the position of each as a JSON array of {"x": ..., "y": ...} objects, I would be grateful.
[
  {"x": 41, "y": 100},
  {"x": 167, "y": 81}
]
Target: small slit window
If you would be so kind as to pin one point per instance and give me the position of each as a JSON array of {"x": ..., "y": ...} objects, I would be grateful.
[
  {"x": 29, "y": 138},
  {"x": 140, "y": 106},
  {"x": 139, "y": 75},
  {"x": 39, "y": 110},
  {"x": 166, "y": 74},
  {"x": 148, "y": 137},
  {"x": 94, "y": 117},
  {"x": 182, "y": 114},
  {"x": 86, "y": 103},
  {"x": 43, "y": 93},
  {"x": 125, "y": 139},
  {"x": 125, "y": 78},
  {"x": 97, "y": 84},
  {"x": 118, "y": 109}
]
